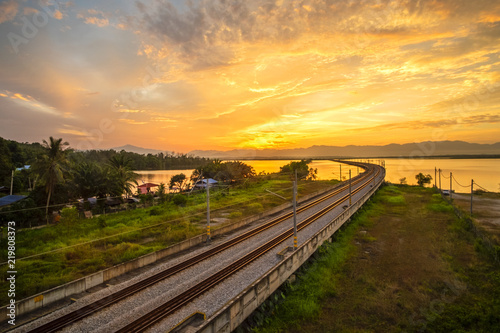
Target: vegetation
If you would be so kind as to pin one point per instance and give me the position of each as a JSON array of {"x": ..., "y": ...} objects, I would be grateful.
[
  {"x": 301, "y": 168},
  {"x": 58, "y": 175},
  {"x": 52, "y": 167},
  {"x": 76, "y": 247},
  {"x": 178, "y": 181},
  {"x": 404, "y": 263},
  {"x": 423, "y": 179},
  {"x": 229, "y": 172}
]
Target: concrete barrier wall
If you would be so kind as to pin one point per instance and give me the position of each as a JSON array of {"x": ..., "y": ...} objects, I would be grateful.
[
  {"x": 83, "y": 284},
  {"x": 237, "y": 310}
]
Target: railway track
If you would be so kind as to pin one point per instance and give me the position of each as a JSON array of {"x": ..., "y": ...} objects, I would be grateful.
[
  {"x": 92, "y": 308},
  {"x": 169, "y": 307}
]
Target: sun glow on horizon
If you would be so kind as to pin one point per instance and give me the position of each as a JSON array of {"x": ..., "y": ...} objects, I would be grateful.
[{"x": 254, "y": 74}]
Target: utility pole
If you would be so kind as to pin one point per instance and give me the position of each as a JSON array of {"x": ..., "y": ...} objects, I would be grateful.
[
  {"x": 349, "y": 187},
  {"x": 208, "y": 212},
  {"x": 340, "y": 165},
  {"x": 295, "y": 212},
  {"x": 451, "y": 178},
  {"x": 11, "y": 182},
  {"x": 439, "y": 179},
  {"x": 471, "y": 194},
  {"x": 435, "y": 177}
]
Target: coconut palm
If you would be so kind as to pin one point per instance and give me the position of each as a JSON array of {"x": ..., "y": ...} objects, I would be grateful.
[
  {"x": 52, "y": 166},
  {"x": 122, "y": 176}
]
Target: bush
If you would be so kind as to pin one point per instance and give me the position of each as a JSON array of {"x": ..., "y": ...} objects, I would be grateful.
[
  {"x": 155, "y": 211},
  {"x": 69, "y": 215},
  {"x": 236, "y": 214},
  {"x": 179, "y": 199}
]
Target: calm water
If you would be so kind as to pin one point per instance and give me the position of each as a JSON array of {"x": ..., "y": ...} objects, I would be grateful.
[
  {"x": 485, "y": 172},
  {"x": 159, "y": 176}
]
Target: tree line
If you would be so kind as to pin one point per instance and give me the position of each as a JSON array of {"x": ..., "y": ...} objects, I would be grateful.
[{"x": 58, "y": 174}]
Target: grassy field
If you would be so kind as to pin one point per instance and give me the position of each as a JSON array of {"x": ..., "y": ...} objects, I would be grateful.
[
  {"x": 404, "y": 264},
  {"x": 77, "y": 247}
]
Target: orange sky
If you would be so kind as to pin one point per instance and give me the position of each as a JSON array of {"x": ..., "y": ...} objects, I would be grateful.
[{"x": 249, "y": 74}]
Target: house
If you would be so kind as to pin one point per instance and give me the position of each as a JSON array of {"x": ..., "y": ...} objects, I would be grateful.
[
  {"x": 10, "y": 199},
  {"x": 146, "y": 187},
  {"x": 203, "y": 183}
]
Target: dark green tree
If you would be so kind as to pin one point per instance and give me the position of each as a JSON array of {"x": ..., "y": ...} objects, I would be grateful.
[
  {"x": 122, "y": 177},
  {"x": 302, "y": 168},
  {"x": 423, "y": 179},
  {"x": 179, "y": 181},
  {"x": 52, "y": 167}
]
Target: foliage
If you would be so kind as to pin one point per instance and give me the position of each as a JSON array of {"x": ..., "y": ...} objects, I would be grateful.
[
  {"x": 52, "y": 167},
  {"x": 302, "y": 169},
  {"x": 230, "y": 172},
  {"x": 160, "y": 192},
  {"x": 179, "y": 199},
  {"x": 403, "y": 181},
  {"x": 178, "y": 181},
  {"x": 423, "y": 179},
  {"x": 122, "y": 175}
]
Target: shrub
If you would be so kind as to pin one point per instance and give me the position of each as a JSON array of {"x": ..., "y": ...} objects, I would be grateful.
[
  {"x": 155, "y": 211},
  {"x": 69, "y": 215},
  {"x": 179, "y": 199},
  {"x": 234, "y": 215}
]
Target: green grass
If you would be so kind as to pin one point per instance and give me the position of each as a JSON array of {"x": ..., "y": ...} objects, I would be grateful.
[
  {"x": 318, "y": 280},
  {"x": 415, "y": 267},
  {"x": 85, "y": 246}
]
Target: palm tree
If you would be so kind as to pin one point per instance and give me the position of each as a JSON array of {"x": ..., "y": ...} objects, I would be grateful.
[
  {"x": 52, "y": 166},
  {"x": 122, "y": 175}
]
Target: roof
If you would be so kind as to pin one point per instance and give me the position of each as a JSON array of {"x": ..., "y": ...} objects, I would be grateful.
[
  {"x": 26, "y": 167},
  {"x": 203, "y": 182},
  {"x": 10, "y": 199},
  {"x": 210, "y": 181},
  {"x": 148, "y": 185}
]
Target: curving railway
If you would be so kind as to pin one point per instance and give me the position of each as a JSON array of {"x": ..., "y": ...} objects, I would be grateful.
[{"x": 327, "y": 204}]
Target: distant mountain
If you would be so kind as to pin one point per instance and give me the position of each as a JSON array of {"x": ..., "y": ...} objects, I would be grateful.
[
  {"x": 139, "y": 150},
  {"x": 421, "y": 149}
]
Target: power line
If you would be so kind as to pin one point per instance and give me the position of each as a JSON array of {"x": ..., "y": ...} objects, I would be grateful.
[
  {"x": 481, "y": 187},
  {"x": 459, "y": 183},
  {"x": 143, "y": 228}
]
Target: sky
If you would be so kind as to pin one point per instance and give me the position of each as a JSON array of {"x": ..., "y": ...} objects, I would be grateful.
[{"x": 231, "y": 74}]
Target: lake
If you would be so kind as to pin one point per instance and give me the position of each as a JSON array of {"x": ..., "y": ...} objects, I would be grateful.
[{"x": 485, "y": 172}]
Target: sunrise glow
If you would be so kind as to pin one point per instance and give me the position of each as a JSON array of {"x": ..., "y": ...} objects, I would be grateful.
[{"x": 180, "y": 76}]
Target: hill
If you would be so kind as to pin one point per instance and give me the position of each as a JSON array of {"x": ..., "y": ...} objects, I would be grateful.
[
  {"x": 420, "y": 149},
  {"x": 139, "y": 150}
]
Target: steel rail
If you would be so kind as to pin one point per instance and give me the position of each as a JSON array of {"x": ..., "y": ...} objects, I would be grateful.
[
  {"x": 89, "y": 309},
  {"x": 169, "y": 307}
]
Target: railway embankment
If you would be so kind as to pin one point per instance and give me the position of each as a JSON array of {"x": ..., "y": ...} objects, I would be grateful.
[{"x": 406, "y": 263}]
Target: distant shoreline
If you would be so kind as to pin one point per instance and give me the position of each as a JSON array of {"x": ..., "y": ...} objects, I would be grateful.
[{"x": 281, "y": 158}]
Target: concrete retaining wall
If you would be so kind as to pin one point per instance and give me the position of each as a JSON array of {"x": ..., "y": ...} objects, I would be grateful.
[
  {"x": 237, "y": 310},
  {"x": 83, "y": 284}
]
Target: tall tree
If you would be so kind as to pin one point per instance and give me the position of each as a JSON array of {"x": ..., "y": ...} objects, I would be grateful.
[
  {"x": 52, "y": 166},
  {"x": 122, "y": 176}
]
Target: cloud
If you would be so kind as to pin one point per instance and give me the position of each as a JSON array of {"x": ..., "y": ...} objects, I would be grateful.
[
  {"x": 8, "y": 10},
  {"x": 58, "y": 15},
  {"x": 30, "y": 103},
  {"x": 437, "y": 123},
  {"x": 95, "y": 17}
]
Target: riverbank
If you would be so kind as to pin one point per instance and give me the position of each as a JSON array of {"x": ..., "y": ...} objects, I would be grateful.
[{"x": 405, "y": 263}]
